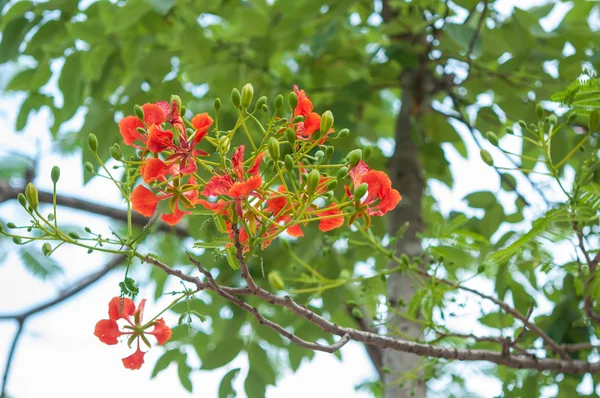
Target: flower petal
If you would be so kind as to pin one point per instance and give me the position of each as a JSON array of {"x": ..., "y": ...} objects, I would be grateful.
[
  {"x": 107, "y": 331},
  {"x": 120, "y": 308},
  {"x": 144, "y": 201},
  {"x": 304, "y": 106},
  {"x": 237, "y": 159},
  {"x": 329, "y": 224},
  {"x": 134, "y": 361},
  {"x": 154, "y": 169},
  {"x": 153, "y": 114},
  {"x": 358, "y": 171},
  {"x": 243, "y": 189},
  {"x": 256, "y": 164},
  {"x": 217, "y": 207},
  {"x": 175, "y": 217},
  {"x": 158, "y": 139},
  {"x": 201, "y": 123},
  {"x": 128, "y": 129},
  {"x": 295, "y": 231},
  {"x": 161, "y": 331},
  {"x": 218, "y": 185}
]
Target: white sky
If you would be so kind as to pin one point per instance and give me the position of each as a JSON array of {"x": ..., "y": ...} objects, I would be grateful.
[{"x": 58, "y": 354}]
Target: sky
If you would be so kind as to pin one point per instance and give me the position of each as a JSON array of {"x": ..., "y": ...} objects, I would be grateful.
[{"x": 59, "y": 355}]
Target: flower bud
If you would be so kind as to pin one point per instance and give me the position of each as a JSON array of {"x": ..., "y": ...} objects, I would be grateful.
[
  {"x": 509, "y": 131},
  {"x": 313, "y": 180},
  {"x": 247, "y": 94},
  {"x": 289, "y": 162},
  {"x": 361, "y": 190},
  {"x": 342, "y": 173},
  {"x": 486, "y": 157},
  {"x": 175, "y": 98},
  {"x": 115, "y": 152},
  {"x": 343, "y": 133},
  {"x": 55, "y": 174},
  {"x": 293, "y": 100},
  {"x": 354, "y": 157},
  {"x": 367, "y": 151},
  {"x": 17, "y": 240},
  {"x": 74, "y": 235},
  {"x": 273, "y": 147},
  {"x": 236, "y": 97},
  {"x": 260, "y": 102},
  {"x": 88, "y": 167},
  {"x": 275, "y": 280},
  {"x": 326, "y": 122},
  {"x": 319, "y": 155},
  {"x": 316, "y": 135},
  {"x": 140, "y": 130},
  {"x": 552, "y": 119},
  {"x": 492, "y": 138},
  {"x": 183, "y": 110},
  {"x": 331, "y": 185},
  {"x": 217, "y": 104},
  {"x": 291, "y": 136},
  {"x": 265, "y": 108},
  {"x": 329, "y": 152},
  {"x": 31, "y": 193},
  {"x": 298, "y": 119},
  {"x": 278, "y": 102},
  {"x": 539, "y": 111},
  {"x": 93, "y": 142},
  {"x": 21, "y": 199},
  {"x": 523, "y": 125},
  {"x": 139, "y": 112},
  {"x": 11, "y": 225},
  {"x": 46, "y": 249}
]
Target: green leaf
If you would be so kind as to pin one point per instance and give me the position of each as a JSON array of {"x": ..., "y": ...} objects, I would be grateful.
[
  {"x": 463, "y": 35},
  {"x": 224, "y": 352},
  {"x": 497, "y": 320},
  {"x": 93, "y": 62},
  {"x": 71, "y": 86},
  {"x": 226, "y": 387},
  {"x": 184, "y": 371},
  {"x": 39, "y": 265},
  {"x": 254, "y": 385},
  {"x": 32, "y": 103},
  {"x": 12, "y": 37},
  {"x": 481, "y": 200},
  {"x": 162, "y": 7},
  {"x": 259, "y": 362},
  {"x": 164, "y": 361},
  {"x": 438, "y": 129}
]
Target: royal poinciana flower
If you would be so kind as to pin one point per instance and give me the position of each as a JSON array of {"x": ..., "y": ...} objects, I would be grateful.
[
  {"x": 108, "y": 331},
  {"x": 381, "y": 197},
  {"x": 312, "y": 120},
  {"x": 144, "y": 201},
  {"x": 232, "y": 186}
]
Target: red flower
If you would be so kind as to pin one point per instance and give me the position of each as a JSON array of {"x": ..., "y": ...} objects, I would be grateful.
[
  {"x": 201, "y": 123},
  {"x": 144, "y": 201},
  {"x": 328, "y": 224},
  {"x": 107, "y": 330},
  {"x": 128, "y": 129},
  {"x": 159, "y": 140},
  {"x": 312, "y": 120},
  {"x": 381, "y": 196},
  {"x": 154, "y": 169},
  {"x": 153, "y": 114}
]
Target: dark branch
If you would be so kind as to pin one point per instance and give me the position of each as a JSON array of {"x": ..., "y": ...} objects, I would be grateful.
[{"x": 11, "y": 355}]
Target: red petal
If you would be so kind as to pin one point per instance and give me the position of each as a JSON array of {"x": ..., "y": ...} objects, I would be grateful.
[
  {"x": 134, "y": 361},
  {"x": 201, "y": 123},
  {"x": 153, "y": 114},
  {"x": 175, "y": 217},
  {"x": 107, "y": 331},
  {"x": 218, "y": 185},
  {"x": 312, "y": 123},
  {"x": 237, "y": 159},
  {"x": 295, "y": 231},
  {"x": 175, "y": 118},
  {"x": 379, "y": 184},
  {"x": 217, "y": 207},
  {"x": 256, "y": 165},
  {"x": 144, "y": 201},
  {"x": 304, "y": 106},
  {"x": 128, "y": 129},
  {"x": 389, "y": 202},
  {"x": 119, "y": 308},
  {"x": 243, "y": 189},
  {"x": 154, "y": 169},
  {"x": 330, "y": 223},
  {"x": 161, "y": 331},
  {"x": 358, "y": 171},
  {"x": 277, "y": 202},
  {"x": 159, "y": 140}
]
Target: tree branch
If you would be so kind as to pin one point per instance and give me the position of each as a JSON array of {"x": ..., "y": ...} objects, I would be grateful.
[{"x": 11, "y": 355}]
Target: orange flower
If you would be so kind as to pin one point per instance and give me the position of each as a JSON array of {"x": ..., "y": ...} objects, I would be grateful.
[
  {"x": 312, "y": 120},
  {"x": 144, "y": 201},
  {"x": 328, "y": 224},
  {"x": 381, "y": 196}
]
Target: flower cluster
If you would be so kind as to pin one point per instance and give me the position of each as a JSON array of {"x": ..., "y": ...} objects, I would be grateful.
[
  {"x": 293, "y": 186},
  {"x": 107, "y": 330}
]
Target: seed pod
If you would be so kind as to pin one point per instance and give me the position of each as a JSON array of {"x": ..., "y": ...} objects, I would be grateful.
[
  {"x": 88, "y": 167},
  {"x": 293, "y": 100},
  {"x": 273, "y": 147},
  {"x": 326, "y": 122},
  {"x": 275, "y": 280},
  {"x": 46, "y": 249},
  {"x": 262, "y": 101},
  {"x": 342, "y": 173},
  {"x": 247, "y": 94},
  {"x": 354, "y": 157},
  {"x": 115, "y": 152},
  {"x": 236, "y": 97},
  {"x": 361, "y": 190},
  {"x": 217, "y": 104},
  {"x": 486, "y": 157},
  {"x": 523, "y": 125},
  {"x": 343, "y": 133},
  {"x": 278, "y": 102},
  {"x": 289, "y": 162},
  {"x": 539, "y": 111},
  {"x": 492, "y": 138},
  {"x": 55, "y": 174},
  {"x": 22, "y": 200},
  {"x": 291, "y": 136},
  {"x": 139, "y": 112},
  {"x": 31, "y": 193},
  {"x": 93, "y": 142},
  {"x": 175, "y": 98},
  {"x": 313, "y": 180}
]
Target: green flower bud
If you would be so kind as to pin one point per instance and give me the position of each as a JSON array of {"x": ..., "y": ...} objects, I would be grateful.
[
  {"x": 329, "y": 152},
  {"x": 357, "y": 313},
  {"x": 361, "y": 190},
  {"x": 509, "y": 130},
  {"x": 11, "y": 225},
  {"x": 289, "y": 162},
  {"x": 88, "y": 167},
  {"x": 539, "y": 111},
  {"x": 260, "y": 102},
  {"x": 293, "y": 100},
  {"x": 354, "y": 157},
  {"x": 17, "y": 240},
  {"x": 275, "y": 280},
  {"x": 313, "y": 180},
  {"x": 523, "y": 125},
  {"x": 140, "y": 130},
  {"x": 343, "y": 133},
  {"x": 265, "y": 108},
  {"x": 183, "y": 111},
  {"x": 367, "y": 151},
  {"x": 552, "y": 119},
  {"x": 31, "y": 193},
  {"x": 247, "y": 94},
  {"x": 319, "y": 155},
  {"x": 492, "y": 138},
  {"x": 291, "y": 136},
  {"x": 298, "y": 119},
  {"x": 93, "y": 142},
  {"x": 273, "y": 147},
  {"x": 217, "y": 104},
  {"x": 74, "y": 235},
  {"x": 21, "y": 199},
  {"x": 46, "y": 249},
  {"x": 342, "y": 173},
  {"x": 326, "y": 122},
  {"x": 486, "y": 157},
  {"x": 331, "y": 185},
  {"x": 55, "y": 174},
  {"x": 115, "y": 152},
  {"x": 236, "y": 98},
  {"x": 177, "y": 100},
  {"x": 278, "y": 102},
  {"x": 139, "y": 112}
]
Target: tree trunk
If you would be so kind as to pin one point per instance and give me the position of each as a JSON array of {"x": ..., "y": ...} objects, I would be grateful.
[{"x": 407, "y": 176}]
